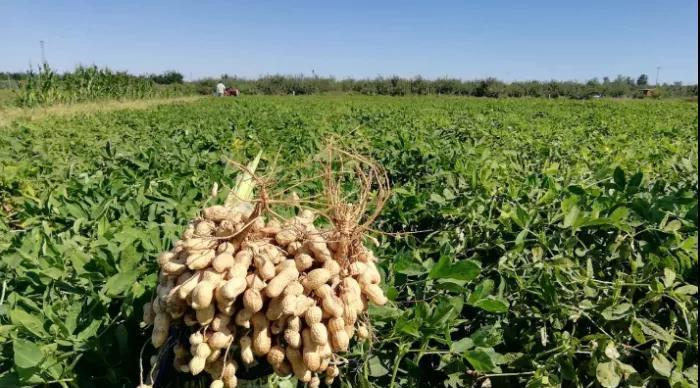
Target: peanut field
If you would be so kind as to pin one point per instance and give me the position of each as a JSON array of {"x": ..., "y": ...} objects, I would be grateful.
[{"x": 527, "y": 242}]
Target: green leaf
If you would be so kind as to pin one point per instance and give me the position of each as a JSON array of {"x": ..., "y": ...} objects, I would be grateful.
[
  {"x": 616, "y": 311},
  {"x": 437, "y": 198},
  {"x": 676, "y": 379},
  {"x": 448, "y": 194},
  {"x": 129, "y": 258},
  {"x": 691, "y": 374},
  {"x": 457, "y": 302},
  {"x": 12, "y": 260},
  {"x": 410, "y": 327},
  {"x": 619, "y": 177},
  {"x": 520, "y": 216},
  {"x": 619, "y": 214},
  {"x": 71, "y": 317},
  {"x": 89, "y": 332},
  {"x": 487, "y": 336},
  {"x": 661, "y": 365},
  {"x": 672, "y": 226},
  {"x": 652, "y": 329},
  {"x": 441, "y": 269},
  {"x": 669, "y": 277},
  {"x": 119, "y": 283},
  {"x": 575, "y": 189},
  {"x": 465, "y": 270},
  {"x": 637, "y": 333},
  {"x": 480, "y": 360},
  {"x": 571, "y": 216},
  {"x": 481, "y": 291},
  {"x": 31, "y": 323},
  {"x": 74, "y": 211},
  {"x": 385, "y": 312},
  {"x": 451, "y": 286},
  {"x": 376, "y": 368},
  {"x": 688, "y": 289},
  {"x": 407, "y": 267},
  {"x": 689, "y": 244},
  {"x": 537, "y": 253},
  {"x": 462, "y": 345},
  {"x": 611, "y": 351},
  {"x": 492, "y": 305},
  {"x": 636, "y": 180},
  {"x": 27, "y": 354},
  {"x": 606, "y": 373},
  {"x": 627, "y": 370},
  {"x": 520, "y": 238},
  {"x": 78, "y": 259},
  {"x": 443, "y": 313}
]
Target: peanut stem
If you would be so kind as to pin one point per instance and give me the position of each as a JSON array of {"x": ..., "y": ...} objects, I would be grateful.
[
  {"x": 243, "y": 190},
  {"x": 397, "y": 361}
]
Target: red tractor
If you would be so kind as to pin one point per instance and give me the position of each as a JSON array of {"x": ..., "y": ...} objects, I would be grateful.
[{"x": 232, "y": 92}]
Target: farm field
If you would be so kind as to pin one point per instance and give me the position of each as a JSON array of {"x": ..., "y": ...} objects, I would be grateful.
[
  {"x": 552, "y": 242},
  {"x": 10, "y": 114}
]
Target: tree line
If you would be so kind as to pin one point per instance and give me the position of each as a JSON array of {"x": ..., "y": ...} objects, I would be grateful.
[{"x": 620, "y": 86}]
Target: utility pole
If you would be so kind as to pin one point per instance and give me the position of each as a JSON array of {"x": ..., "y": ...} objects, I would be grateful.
[
  {"x": 657, "y": 75},
  {"x": 43, "y": 56}
]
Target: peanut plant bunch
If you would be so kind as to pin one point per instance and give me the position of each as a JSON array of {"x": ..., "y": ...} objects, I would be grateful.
[{"x": 255, "y": 289}]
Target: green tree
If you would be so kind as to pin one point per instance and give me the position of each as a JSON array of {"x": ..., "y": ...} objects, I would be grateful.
[
  {"x": 643, "y": 80},
  {"x": 167, "y": 78}
]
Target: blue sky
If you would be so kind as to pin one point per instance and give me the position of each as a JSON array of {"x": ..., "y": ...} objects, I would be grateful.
[{"x": 510, "y": 40}]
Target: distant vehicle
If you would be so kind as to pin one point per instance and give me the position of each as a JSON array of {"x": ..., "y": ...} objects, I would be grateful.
[
  {"x": 232, "y": 92},
  {"x": 647, "y": 92}
]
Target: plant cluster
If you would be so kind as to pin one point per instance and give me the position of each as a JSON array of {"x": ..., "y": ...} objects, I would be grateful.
[{"x": 280, "y": 292}]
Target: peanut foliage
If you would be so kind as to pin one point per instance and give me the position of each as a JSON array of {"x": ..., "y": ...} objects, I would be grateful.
[{"x": 536, "y": 243}]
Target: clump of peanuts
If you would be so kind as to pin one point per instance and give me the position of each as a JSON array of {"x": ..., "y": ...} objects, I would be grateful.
[{"x": 276, "y": 291}]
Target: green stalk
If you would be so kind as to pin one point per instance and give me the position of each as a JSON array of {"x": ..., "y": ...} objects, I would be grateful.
[
  {"x": 242, "y": 191},
  {"x": 397, "y": 361}
]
